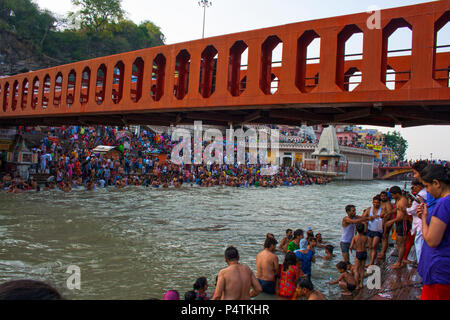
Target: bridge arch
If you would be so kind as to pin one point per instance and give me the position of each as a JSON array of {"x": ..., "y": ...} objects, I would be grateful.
[
  {"x": 182, "y": 66},
  {"x": 267, "y": 76},
  {"x": 15, "y": 95},
  {"x": 5, "y": 96},
  {"x": 343, "y": 37},
  {"x": 71, "y": 83},
  {"x": 303, "y": 70},
  {"x": 235, "y": 67},
  {"x": 46, "y": 91},
  {"x": 158, "y": 77},
  {"x": 118, "y": 79},
  {"x": 403, "y": 71},
  {"x": 441, "y": 71},
  {"x": 208, "y": 71},
  {"x": 25, "y": 91},
  {"x": 100, "y": 88},
  {"x": 35, "y": 92},
  {"x": 85, "y": 85},
  {"x": 57, "y": 89}
]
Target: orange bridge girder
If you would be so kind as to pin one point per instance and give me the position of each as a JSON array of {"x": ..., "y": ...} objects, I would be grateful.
[{"x": 206, "y": 79}]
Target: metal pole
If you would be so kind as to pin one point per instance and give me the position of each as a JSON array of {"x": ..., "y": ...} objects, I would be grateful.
[
  {"x": 205, "y": 4},
  {"x": 204, "y": 18}
]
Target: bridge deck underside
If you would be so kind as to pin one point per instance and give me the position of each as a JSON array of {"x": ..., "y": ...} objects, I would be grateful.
[{"x": 407, "y": 116}]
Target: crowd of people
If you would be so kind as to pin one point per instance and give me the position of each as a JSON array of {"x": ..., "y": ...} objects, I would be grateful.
[{"x": 67, "y": 156}]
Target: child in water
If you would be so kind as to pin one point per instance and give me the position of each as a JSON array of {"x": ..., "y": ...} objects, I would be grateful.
[
  {"x": 329, "y": 252},
  {"x": 360, "y": 243},
  {"x": 346, "y": 280}
]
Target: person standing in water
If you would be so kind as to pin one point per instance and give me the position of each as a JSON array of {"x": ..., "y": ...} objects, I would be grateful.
[
  {"x": 386, "y": 213},
  {"x": 375, "y": 227},
  {"x": 402, "y": 224},
  {"x": 348, "y": 230},
  {"x": 235, "y": 281},
  {"x": 285, "y": 241},
  {"x": 267, "y": 266}
]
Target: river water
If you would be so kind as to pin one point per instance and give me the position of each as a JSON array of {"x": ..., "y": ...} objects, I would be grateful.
[{"x": 137, "y": 243}]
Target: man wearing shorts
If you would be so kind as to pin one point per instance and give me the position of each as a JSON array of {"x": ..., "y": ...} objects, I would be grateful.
[
  {"x": 402, "y": 224},
  {"x": 375, "y": 227},
  {"x": 386, "y": 213},
  {"x": 348, "y": 230}
]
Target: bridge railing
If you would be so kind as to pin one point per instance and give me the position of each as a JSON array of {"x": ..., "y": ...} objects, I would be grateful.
[
  {"x": 315, "y": 165},
  {"x": 209, "y": 73}
]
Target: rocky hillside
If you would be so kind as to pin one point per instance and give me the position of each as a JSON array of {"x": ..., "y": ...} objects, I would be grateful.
[{"x": 18, "y": 55}]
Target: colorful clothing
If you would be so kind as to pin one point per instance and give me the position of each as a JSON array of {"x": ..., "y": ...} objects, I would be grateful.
[
  {"x": 287, "y": 282},
  {"x": 434, "y": 264},
  {"x": 292, "y": 246}
]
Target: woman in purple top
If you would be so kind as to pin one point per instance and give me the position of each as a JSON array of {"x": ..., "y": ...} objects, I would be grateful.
[{"x": 434, "y": 264}]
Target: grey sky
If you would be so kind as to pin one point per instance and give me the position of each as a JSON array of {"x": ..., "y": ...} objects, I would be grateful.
[{"x": 181, "y": 20}]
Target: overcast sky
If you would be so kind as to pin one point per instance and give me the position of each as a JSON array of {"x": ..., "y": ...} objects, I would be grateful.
[{"x": 182, "y": 20}]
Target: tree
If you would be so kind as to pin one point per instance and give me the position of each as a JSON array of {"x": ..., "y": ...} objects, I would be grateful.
[
  {"x": 398, "y": 144},
  {"x": 95, "y": 15}
]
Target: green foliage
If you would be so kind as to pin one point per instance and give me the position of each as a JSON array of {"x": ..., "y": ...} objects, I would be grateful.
[
  {"x": 398, "y": 144},
  {"x": 26, "y": 20},
  {"x": 101, "y": 30},
  {"x": 95, "y": 15}
]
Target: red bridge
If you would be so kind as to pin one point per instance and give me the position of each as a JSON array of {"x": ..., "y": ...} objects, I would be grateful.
[
  {"x": 207, "y": 79},
  {"x": 385, "y": 173}
]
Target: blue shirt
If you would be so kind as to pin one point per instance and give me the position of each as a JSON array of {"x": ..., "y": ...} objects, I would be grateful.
[
  {"x": 306, "y": 260},
  {"x": 434, "y": 263},
  {"x": 430, "y": 201}
]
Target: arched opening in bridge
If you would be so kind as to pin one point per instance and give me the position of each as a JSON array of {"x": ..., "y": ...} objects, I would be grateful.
[
  {"x": 70, "y": 97},
  {"x": 137, "y": 78},
  {"x": 46, "y": 91},
  {"x": 24, "y": 98},
  {"x": 308, "y": 60},
  {"x": 35, "y": 93},
  {"x": 182, "y": 66},
  {"x": 118, "y": 76},
  {"x": 100, "y": 87},
  {"x": 158, "y": 77},
  {"x": 57, "y": 93},
  {"x": 352, "y": 79},
  {"x": 15, "y": 95},
  {"x": 271, "y": 57},
  {"x": 349, "y": 56},
  {"x": 208, "y": 71},
  {"x": 237, "y": 62},
  {"x": 442, "y": 45},
  {"x": 5, "y": 96},
  {"x": 397, "y": 42},
  {"x": 85, "y": 85}
]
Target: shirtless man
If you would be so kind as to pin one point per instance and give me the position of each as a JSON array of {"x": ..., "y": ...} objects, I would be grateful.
[
  {"x": 360, "y": 244},
  {"x": 267, "y": 266},
  {"x": 386, "y": 214},
  {"x": 285, "y": 241},
  {"x": 305, "y": 289},
  {"x": 235, "y": 281},
  {"x": 402, "y": 224}
]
